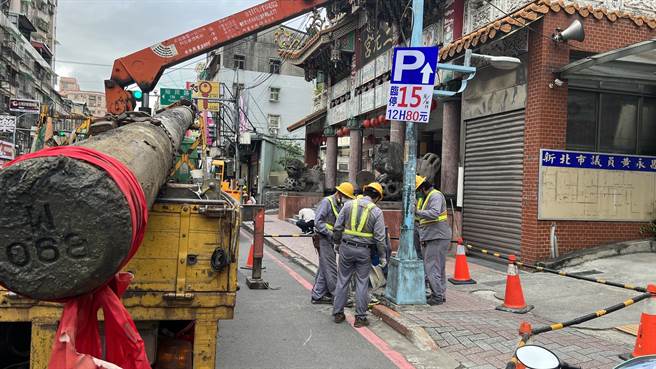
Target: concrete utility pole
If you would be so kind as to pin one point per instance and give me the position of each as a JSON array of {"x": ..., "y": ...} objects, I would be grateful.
[
  {"x": 405, "y": 284},
  {"x": 237, "y": 138}
]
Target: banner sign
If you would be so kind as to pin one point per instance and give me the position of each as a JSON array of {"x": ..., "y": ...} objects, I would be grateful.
[
  {"x": 7, "y": 123},
  {"x": 204, "y": 92},
  {"x": 25, "y": 106},
  {"x": 6, "y": 150},
  {"x": 591, "y": 160}
]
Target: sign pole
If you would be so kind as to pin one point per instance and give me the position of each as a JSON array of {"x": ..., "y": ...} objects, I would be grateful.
[{"x": 405, "y": 284}]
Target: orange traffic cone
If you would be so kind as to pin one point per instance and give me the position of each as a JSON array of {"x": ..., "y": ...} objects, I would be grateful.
[
  {"x": 249, "y": 260},
  {"x": 514, "y": 300},
  {"x": 646, "y": 340},
  {"x": 461, "y": 272}
]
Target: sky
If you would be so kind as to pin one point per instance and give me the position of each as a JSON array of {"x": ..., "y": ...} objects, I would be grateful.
[{"x": 100, "y": 31}]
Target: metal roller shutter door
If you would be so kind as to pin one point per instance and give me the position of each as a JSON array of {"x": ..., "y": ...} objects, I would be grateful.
[{"x": 492, "y": 198}]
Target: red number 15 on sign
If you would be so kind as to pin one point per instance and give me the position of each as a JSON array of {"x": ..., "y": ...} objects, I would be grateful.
[{"x": 415, "y": 99}]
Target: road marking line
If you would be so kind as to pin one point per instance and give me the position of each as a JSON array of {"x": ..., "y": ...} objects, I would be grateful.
[
  {"x": 302, "y": 281},
  {"x": 394, "y": 356}
]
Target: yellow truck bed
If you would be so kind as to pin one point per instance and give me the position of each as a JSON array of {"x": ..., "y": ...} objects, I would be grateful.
[{"x": 174, "y": 280}]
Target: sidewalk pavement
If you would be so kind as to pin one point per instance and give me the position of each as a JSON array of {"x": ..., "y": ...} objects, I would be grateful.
[{"x": 471, "y": 331}]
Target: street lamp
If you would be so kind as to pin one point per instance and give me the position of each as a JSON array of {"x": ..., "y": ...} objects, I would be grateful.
[
  {"x": 500, "y": 62},
  {"x": 468, "y": 71}
]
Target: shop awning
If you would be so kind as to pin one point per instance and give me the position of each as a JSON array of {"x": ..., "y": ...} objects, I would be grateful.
[
  {"x": 307, "y": 120},
  {"x": 632, "y": 64},
  {"x": 43, "y": 48}
]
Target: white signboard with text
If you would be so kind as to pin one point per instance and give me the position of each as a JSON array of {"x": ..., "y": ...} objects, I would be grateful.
[{"x": 7, "y": 123}]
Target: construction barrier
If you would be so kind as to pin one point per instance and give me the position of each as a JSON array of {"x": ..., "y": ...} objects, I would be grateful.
[
  {"x": 506, "y": 257},
  {"x": 513, "y": 300},
  {"x": 646, "y": 338},
  {"x": 526, "y": 331},
  {"x": 249, "y": 259},
  {"x": 289, "y": 235},
  {"x": 461, "y": 272},
  {"x": 255, "y": 282}
]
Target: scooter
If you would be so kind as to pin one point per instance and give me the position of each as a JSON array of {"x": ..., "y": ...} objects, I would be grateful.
[{"x": 538, "y": 357}]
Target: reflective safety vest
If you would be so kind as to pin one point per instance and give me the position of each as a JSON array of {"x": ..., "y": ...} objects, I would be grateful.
[
  {"x": 331, "y": 200},
  {"x": 421, "y": 205},
  {"x": 356, "y": 228}
]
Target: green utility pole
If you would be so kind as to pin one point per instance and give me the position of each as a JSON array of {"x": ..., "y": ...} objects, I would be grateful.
[{"x": 405, "y": 283}]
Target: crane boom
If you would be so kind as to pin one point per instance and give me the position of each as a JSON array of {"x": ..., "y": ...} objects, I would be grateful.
[{"x": 145, "y": 67}]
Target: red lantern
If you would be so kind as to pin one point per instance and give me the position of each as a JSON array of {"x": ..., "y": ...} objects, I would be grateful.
[
  {"x": 381, "y": 119},
  {"x": 346, "y": 131},
  {"x": 365, "y": 124}
]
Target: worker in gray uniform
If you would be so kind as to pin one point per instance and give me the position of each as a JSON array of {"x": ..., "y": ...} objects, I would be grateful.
[
  {"x": 435, "y": 237},
  {"x": 359, "y": 227},
  {"x": 324, "y": 220}
]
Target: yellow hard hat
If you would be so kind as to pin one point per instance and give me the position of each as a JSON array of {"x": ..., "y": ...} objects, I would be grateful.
[
  {"x": 419, "y": 180},
  {"x": 376, "y": 187},
  {"x": 346, "y": 189}
]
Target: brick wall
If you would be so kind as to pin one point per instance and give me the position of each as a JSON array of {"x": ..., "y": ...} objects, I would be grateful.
[{"x": 546, "y": 125}]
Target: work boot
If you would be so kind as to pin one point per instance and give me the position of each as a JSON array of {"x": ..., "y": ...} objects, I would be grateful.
[
  {"x": 325, "y": 300},
  {"x": 361, "y": 321},
  {"x": 340, "y": 317},
  {"x": 433, "y": 300}
]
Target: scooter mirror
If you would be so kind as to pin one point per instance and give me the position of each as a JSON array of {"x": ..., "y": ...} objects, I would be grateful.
[
  {"x": 536, "y": 357},
  {"x": 641, "y": 362}
]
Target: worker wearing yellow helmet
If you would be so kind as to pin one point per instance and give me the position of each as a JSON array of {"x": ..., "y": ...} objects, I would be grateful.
[
  {"x": 360, "y": 226},
  {"x": 324, "y": 220},
  {"x": 434, "y": 235}
]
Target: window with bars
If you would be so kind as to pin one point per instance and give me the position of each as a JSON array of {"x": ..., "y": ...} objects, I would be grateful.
[
  {"x": 274, "y": 94},
  {"x": 611, "y": 122},
  {"x": 239, "y": 62},
  {"x": 273, "y": 123},
  {"x": 274, "y": 66}
]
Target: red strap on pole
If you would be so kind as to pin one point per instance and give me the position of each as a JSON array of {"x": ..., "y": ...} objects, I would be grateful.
[{"x": 77, "y": 342}]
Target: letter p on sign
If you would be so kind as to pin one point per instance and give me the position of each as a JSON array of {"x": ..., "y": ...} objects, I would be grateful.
[{"x": 401, "y": 63}]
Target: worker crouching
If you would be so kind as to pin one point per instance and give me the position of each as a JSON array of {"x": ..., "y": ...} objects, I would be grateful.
[
  {"x": 435, "y": 236},
  {"x": 324, "y": 221},
  {"x": 359, "y": 227}
]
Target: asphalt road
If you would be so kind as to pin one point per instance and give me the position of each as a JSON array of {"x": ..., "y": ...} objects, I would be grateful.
[{"x": 279, "y": 328}]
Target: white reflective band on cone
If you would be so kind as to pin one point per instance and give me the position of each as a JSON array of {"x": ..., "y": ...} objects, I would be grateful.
[
  {"x": 650, "y": 309},
  {"x": 460, "y": 250},
  {"x": 512, "y": 269}
]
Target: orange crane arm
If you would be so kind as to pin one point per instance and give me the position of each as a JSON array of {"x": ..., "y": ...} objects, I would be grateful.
[{"x": 145, "y": 67}]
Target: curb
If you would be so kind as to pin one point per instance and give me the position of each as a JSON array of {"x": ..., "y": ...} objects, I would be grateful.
[
  {"x": 286, "y": 252},
  {"x": 413, "y": 332}
]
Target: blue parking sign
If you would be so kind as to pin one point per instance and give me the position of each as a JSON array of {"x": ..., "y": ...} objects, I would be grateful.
[
  {"x": 411, "y": 85},
  {"x": 414, "y": 65}
]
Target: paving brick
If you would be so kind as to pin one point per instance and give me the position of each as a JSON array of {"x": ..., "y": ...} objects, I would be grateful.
[
  {"x": 480, "y": 337},
  {"x": 461, "y": 333}
]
